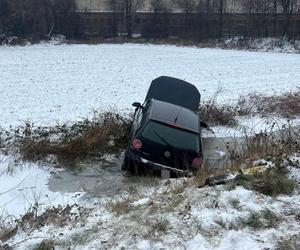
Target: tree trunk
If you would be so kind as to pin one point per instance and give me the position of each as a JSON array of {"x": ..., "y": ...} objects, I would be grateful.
[{"x": 221, "y": 20}]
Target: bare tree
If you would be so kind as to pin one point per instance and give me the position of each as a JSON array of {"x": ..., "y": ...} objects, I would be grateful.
[
  {"x": 157, "y": 25},
  {"x": 128, "y": 9},
  {"x": 66, "y": 18},
  {"x": 158, "y": 6},
  {"x": 188, "y": 6},
  {"x": 114, "y": 6},
  {"x": 221, "y": 19},
  {"x": 288, "y": 7}
]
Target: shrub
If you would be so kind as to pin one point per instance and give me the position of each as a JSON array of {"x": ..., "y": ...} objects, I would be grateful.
[
  {"x": 291, "y": 243},
  {"x": 272, "y": 182},
  {"x": 160, "y": 225},
  {"x": 216, "y": 114},
  {"x": 123, "y": 206},
  {"x": 45, "y": 245},
  {"x": 254, "y": 220},
  {"x": 78, "y": 141},
  {"x": 286, "y": 104},
  {"x": 257, "y": 220}
]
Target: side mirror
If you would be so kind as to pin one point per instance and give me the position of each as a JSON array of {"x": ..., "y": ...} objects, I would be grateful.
[{"x": 136, "y": 104}]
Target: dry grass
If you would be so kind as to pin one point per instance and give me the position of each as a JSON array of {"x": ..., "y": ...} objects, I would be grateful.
[
  {"x": 79, "y": 141},
  {"x": 288, "y": 243},
  {"x": 255, "y": 220},
  {"x": 108, "y": 132},
  {"x": 45, "y": 245},
  {"x": 216, "y": 114},
  {"x": 273, "y": 145},
  {"x": 58, "y": 216},
  {"x": 160, "y": 225},
  {"x": 285, "y": 105},
  {"x": 211, "y": 176},
  {"x": 7, "y": 231},
  {"x": 272, "y": 182},
  {"x": 32, "y": 220},
  {"x": 120, "y": 207}
]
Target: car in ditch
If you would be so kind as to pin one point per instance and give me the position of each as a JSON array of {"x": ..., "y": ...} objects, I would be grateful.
[{"x": 165, "y": 137}]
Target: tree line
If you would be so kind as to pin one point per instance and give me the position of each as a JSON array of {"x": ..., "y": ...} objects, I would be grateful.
[
  {"x": 252, "y": 8},
  {"x": 41, "y": 17},
  {"x": 37, "y": 17}
]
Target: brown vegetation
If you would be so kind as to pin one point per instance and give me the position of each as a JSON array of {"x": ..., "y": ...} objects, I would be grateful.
[
  {"x": 285, "y": 105},
  {"x": 289, "y": 243},
  {"x": 121, "y": 207},
  {"x": 272, "y": 182},
  {"x": 216, "y": 114},
  {"x": 106, "y": 133}
]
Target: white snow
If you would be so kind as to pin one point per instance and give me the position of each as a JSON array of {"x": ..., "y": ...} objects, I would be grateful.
[
  {"x": 47, "y": 83},
  {"x": 24, "y": 185}
]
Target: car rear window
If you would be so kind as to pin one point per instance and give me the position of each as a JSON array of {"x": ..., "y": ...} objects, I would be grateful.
[{"x": 159, "y": 133}]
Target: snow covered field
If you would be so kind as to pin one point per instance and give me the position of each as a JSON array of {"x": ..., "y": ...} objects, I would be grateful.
[{"x": 48, "y": 83}]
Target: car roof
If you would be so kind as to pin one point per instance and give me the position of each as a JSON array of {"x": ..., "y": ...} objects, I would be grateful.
[{"x": 174, "y": 115}]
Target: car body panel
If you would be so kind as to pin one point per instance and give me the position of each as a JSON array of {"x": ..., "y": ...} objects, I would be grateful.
[
  {"x": 175, "y": 91},
  {"x": 170, "y": 136}
]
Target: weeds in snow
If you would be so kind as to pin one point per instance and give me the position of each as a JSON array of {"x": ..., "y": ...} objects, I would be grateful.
[
  {"x": 273, "y": 145},
  {"x": 7, "y": 230},
  {"x": 285, "y": 105},
  {"x": 79, "y": 141},
  {"x": 160, "y": 226},
  {"x": 45, "y": 245},
  {"x": 122, "y": 206},
  {"x": 31, "y": 221},
  {"x": 235, "y": 203},
  {"x": 272, "y": 182},
  {"x": 216, "y": 114},
  {"x": 288, "y": 243}
]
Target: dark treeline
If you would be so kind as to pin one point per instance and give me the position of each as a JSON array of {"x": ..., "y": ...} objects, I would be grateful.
[
  {"x": 197, "y": 19},
  {"x": 37, "y": 18}
]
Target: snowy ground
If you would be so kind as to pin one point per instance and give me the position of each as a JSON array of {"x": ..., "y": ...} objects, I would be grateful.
[
  {"x": 48, "y": 83},
  {"x": 156, "y": 214}
]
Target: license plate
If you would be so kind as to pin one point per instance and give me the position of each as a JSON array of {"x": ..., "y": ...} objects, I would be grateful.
[{"x": 165, "y": 174}]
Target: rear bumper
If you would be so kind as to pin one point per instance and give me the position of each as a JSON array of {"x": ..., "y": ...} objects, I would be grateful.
[
  {"x": 137, "y": 161},
  {"x": 161, "y": 166}
]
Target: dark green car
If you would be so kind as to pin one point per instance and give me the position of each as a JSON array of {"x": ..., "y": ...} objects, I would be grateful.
[{"x": 165, "y": 137}]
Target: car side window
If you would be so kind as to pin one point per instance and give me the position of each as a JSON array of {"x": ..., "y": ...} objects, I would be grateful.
[{"x": 137, "y": 118}]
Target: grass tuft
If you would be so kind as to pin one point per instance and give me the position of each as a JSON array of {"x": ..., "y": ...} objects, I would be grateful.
[
  {"x": 291, "y": 243},
  {"x": 121, "y": 207},
  {"x": 272, "y": 182},
  {"x": 82, "y": 140}
]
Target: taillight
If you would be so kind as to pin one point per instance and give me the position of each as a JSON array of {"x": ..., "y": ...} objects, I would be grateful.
[
  {"x": 197, "y": 162},
  {"x": 137, "y": 144}
]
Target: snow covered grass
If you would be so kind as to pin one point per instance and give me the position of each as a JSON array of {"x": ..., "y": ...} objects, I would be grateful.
[
  {"x": 207, "y": 218},
  {"x": 282, "y": 45},
  {"x": 46, "y": 83},
  {"x": 68, "y": 143},
  {"x": 108, "y": 131},
  {"x": 155, "y": 213},
  {"x": 284, "y": 104},
  {"x": 273, "y": 142},
  {"x": 169, "y": 213}
]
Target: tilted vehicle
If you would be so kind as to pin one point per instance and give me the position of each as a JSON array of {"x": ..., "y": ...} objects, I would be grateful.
[{"x": 166, "y": 131}]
